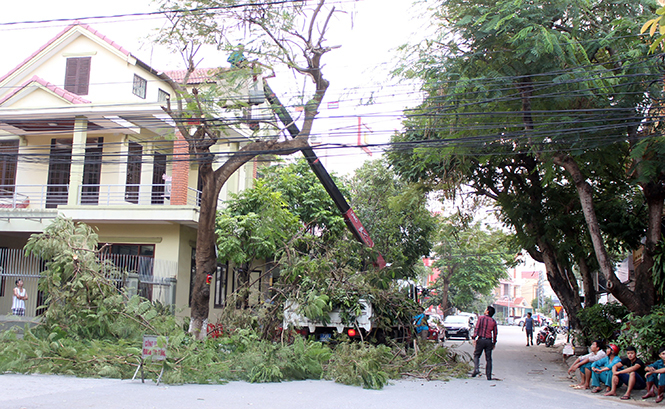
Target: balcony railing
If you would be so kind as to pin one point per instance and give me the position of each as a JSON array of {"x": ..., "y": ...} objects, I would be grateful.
[
  {"x": 51, "y": 196},
  {"x": 33, "y": 196},
  {"x": 128, "y": 194}
]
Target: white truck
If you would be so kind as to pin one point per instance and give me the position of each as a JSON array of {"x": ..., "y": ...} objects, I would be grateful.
[{"x": 325, "y": 331}]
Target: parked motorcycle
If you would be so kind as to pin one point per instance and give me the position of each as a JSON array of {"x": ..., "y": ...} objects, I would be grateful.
[{"x": 546, "y": 336}]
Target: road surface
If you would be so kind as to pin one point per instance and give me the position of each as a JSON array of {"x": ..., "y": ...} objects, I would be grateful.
[{"x": 533, "y": 377}]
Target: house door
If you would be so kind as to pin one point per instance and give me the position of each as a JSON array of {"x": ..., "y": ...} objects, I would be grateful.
[
  {"x": 60, "y": 162},
  {"x": 92, "y": 169},
  {"x": 134, "y": 158}
]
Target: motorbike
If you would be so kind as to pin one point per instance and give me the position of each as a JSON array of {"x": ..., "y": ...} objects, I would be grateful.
[{"x": 546, "y": 336}]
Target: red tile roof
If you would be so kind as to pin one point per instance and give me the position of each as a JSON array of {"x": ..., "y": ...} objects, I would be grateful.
[
  {"x": 198, "y": 76},
  {"x": 517, "y": 302},
  {"x": 69, "y": 96}
]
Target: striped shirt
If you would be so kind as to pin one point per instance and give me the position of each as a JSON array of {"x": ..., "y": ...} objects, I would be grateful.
[{"x": 486, "y": 328}]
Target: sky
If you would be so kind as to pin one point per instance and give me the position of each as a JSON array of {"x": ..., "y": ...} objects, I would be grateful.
[{"x": 361, "y": 95}]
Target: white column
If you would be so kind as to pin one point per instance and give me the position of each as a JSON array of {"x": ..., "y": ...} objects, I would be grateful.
[
  {"x": 78, "y": 159},
  {"x": 145, "y": 190}
]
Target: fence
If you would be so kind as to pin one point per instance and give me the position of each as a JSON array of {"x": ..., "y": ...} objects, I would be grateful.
[{"x": 148, "y": 277}]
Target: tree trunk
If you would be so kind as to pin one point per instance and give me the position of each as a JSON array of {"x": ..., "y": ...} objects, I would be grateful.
[
  {"x": 242, "y": 301},
  {"x": 444, "y": 295},
  {"x": 206, "y": 262},
  {"x": 565, "y": 289},
  {"x": 654, "y": 194},
  {"x": 213, "y": 181},
  {"x": 590, "y": 295},
  {"x": 585, "y": 193}
]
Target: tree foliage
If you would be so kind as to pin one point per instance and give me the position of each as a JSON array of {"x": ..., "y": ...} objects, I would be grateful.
[
  {"x": 321, "y": 266},
  {"x": 471, "y": 259},
  {"x": 81, "y": 288},
  {"x": 290, "y": 33},
  {"x": 537, "y": 107},
  {"x": 646, "y": 333},
  {"x": 395, "y": 214},
  {"x": 91, "y": 329}
]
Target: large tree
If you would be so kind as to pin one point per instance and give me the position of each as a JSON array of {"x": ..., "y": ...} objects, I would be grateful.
[
  {"x": 471, "y": 259},
  {"x": 289, "y": 219},
  {"x": 397, "y": 215},
  {"x": 290, "y": 33},
  {"x": 527, "y": 101}
]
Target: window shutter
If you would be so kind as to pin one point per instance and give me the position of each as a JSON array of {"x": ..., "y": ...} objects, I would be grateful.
[
  {"x": 77, "y": 75},
  {"x": 70, "y": 74},
  {"x": 83, "y": 76}
]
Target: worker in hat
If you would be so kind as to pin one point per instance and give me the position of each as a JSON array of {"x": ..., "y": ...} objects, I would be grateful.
[{"x": 601, "y": 371}]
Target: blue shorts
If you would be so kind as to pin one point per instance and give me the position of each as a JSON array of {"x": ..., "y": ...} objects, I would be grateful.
[
  {"x": 585, "y": 367},
  {"x": 655, "y": 378},
  {"x": 640, "y": 383}
]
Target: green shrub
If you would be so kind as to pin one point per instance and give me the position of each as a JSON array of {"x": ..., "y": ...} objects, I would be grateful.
[
  {"x": 646, "y": 333},
  {"x": 601, "y": 321},
  {"x": 360, "y": 364}
]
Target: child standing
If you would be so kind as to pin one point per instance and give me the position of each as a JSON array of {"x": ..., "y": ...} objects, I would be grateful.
[{"x": 19, "y": 299}]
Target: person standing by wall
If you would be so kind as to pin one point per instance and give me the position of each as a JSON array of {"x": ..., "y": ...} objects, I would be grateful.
[
  {"x": 19, "y": 299},
  {"x": 528, "y": 327},
  {"x": 484, "y": 340}
]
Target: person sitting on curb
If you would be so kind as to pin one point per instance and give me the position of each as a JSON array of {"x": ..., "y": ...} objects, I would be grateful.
[
  {"x": 656, "y": 375},
  {"x": 583, "y": 363},
  {"x": 601, "y": 371},
  {"x": 629, "y": 371}
]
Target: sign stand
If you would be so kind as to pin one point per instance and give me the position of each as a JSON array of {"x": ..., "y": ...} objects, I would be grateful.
[{"x": 154, "y": 349}]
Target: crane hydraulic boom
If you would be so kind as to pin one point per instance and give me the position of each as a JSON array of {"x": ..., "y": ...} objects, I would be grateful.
[{"x": 350, "y": 218}]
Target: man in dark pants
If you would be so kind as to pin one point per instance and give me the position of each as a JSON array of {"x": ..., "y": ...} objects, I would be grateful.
[
  {"x": 528, "y": 327},
  {"x": 484, "y": 340}
]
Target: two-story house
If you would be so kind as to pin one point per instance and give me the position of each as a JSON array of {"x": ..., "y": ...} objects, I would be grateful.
[{"x": 83, "y": 135}]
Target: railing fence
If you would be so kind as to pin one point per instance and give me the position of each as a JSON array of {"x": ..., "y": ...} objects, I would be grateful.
[{"x": 151, "y": 278}]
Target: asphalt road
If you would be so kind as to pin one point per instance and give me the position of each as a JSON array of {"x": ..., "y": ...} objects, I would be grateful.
[{"x": 533, "y": 377}]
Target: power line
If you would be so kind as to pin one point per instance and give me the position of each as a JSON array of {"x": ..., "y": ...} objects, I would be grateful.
[{"x": 196, "y": 10}]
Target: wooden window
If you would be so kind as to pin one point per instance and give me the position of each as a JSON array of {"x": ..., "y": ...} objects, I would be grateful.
[
  {"x": 140, "y": 86},
  {"x": 163, "y": 96},
  {"x": 60, "y": 161},
  {"x": 133, "y": 180},
  {"x": 92, "y": 171},
  {"x": 8, "y": 159},
  {"x": 77, "y": 75},
  {"x": 158, "y": 178}
]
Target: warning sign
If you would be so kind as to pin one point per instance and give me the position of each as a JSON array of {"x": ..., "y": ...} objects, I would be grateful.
[{"x": 154, "y": 347}]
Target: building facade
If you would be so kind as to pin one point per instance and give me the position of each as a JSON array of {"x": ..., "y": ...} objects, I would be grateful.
[{"x": 83, "y": 135}]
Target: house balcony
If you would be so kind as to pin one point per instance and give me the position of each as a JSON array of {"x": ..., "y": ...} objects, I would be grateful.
[{"x": 99, "y": 203}]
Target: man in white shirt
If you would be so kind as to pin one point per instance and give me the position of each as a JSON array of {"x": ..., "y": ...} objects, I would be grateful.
[{"x": 583, "y": 363}]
